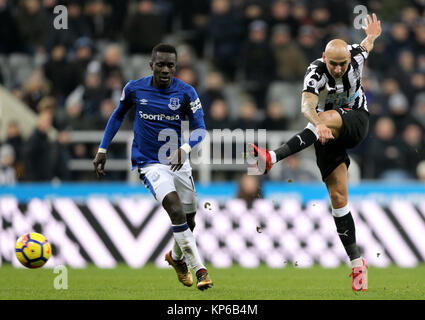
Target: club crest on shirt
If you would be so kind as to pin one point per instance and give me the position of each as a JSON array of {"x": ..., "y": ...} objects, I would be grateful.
[{"x": 174, "y": 103}]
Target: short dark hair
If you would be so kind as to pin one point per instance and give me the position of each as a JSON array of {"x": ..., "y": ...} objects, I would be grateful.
[{"x": 163, "y": 47}]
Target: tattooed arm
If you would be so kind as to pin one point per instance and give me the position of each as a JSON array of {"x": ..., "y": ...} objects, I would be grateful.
[{"x": 308, "y": 108}]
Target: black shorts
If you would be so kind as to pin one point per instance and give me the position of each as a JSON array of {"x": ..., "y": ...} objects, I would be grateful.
[{"x": 355, "y": 125}]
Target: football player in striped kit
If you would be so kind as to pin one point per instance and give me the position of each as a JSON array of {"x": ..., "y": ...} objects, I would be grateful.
[
  {"x": 161, "y": 103},
  {"x": 335, "y": 105}
]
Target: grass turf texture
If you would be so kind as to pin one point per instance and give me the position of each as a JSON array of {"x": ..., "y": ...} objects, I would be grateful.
[{"x": 235, "y": 283}]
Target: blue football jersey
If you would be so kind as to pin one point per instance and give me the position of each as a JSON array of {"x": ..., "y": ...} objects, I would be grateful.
[{"x": 158, "y": 119}]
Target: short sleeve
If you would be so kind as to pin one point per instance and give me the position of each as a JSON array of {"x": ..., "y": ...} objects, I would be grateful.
[
  {"x": 126, "y": 94},
  {"x": 358, "y": 53},
  {"x": 314, "y": 80},
  {"x": 194, "y": 110}
]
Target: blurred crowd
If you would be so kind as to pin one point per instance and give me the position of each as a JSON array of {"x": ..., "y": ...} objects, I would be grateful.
[{"x": 246, "y": 59}]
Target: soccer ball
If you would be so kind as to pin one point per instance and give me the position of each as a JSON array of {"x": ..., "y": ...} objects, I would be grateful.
[{"x": 33, "y": 250}]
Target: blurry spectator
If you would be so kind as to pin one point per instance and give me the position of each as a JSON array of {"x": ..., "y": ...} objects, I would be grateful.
[
  {"x": 413, "y": 147},
  {"x": 100, "y": 119},
  {"x": 92, "y": 93},
  {"x": 419, "y": 41},
  {"x": 15, "y": 140},
  {"x": 290, "y": 60},
  {"x": 7, "y": 170},
  {"x": 258, "y": 63},
  {"x": 213, "y": 90},
  {"x": 37, "y": 151},
  {"x": 281, "y": 14},
  {"x": 385, "y": 159},
  {"x": 187, "y": 60},
  {"x": 380, "y": 61},
  {"x": 420, "y": 171},
  {"x": 254, "y": 10},
  {"x": 417, "y": 82},
  {"x": 111, "y": 61},
  {"x": 399, "y": 111},
  {"x": 218, "y": 115},
  {"x": 275, "y": 118},
  {"x": 395, "y": 103},
  {"x": 403, "y": 70},
  {"x": 307, "y": 39},
  {"x": 398, "y": 39},
  {"x": 9, "y": 35},
  {"x": 30, "y": 19},
  {"x": 114, "y": 84},
  {"x": 301, "y": 16},
  {"x": 249, "y": 189},
  {"x": 192, "y": 16},
  {"x": 118, "y": 12},
  {"x": 61, "y": 157},
  {"x": 35, "y": 89},
  {"x": 144, "y": 29},
  {"x": 99, "y": 19},
  {"x": 61, "y": 74},
  {"x": 48, "y": 104},
  {"x": 341, "y": 12},
  {"x": 321, "y": 15},
  {"x": 83, "y": 55},
  {"x": 225, "y": 31},
  {"x": 187, "y": 75},
  {"x": 295, "y": 171},
  {"x": 418, "y": 111},
  {"x": 248, "y": 118},
  {"x": 410, "y": 16},
  {"x": 71, "y": 117}
]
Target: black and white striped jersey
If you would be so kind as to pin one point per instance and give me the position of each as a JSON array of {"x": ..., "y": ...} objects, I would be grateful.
[{"x": 346, "y": 91}]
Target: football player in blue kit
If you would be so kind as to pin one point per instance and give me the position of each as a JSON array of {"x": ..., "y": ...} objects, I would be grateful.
[{"x": 161, "y": 103}]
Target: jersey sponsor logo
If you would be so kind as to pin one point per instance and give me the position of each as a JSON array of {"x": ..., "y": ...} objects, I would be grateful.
[
  {"x": 195, "y": 105},
  {"x": 340, "y": 99},
  {"x": 174, "y": 103},
  {"x": 143, "y": 101},
  {"x": 158, "y": 117}
]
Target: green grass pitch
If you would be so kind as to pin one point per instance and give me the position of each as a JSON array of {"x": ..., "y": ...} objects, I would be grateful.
[{"x": 235, "y": 283}]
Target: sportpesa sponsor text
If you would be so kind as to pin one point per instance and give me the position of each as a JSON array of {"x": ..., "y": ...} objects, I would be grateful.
[{"x": 159, "y": 117}]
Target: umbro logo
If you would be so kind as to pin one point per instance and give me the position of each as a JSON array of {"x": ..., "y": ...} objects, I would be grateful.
[{"x": 143, "y": 101}]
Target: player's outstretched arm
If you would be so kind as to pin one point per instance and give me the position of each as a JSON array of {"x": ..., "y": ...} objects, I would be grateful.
[{"x": 373, "y": 30}]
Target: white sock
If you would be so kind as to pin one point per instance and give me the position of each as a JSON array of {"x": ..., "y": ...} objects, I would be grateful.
[
  {"x": 176, "y": 252},
  {"x": 186, "y": 241},
  {"x": 357, "y": 262},
  {"x": 273, "y": 156}
]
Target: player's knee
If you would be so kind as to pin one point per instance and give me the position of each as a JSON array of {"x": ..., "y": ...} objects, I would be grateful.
[
  {"x": 174, "y": 208},
  {"x": 332, "y": 120}
]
